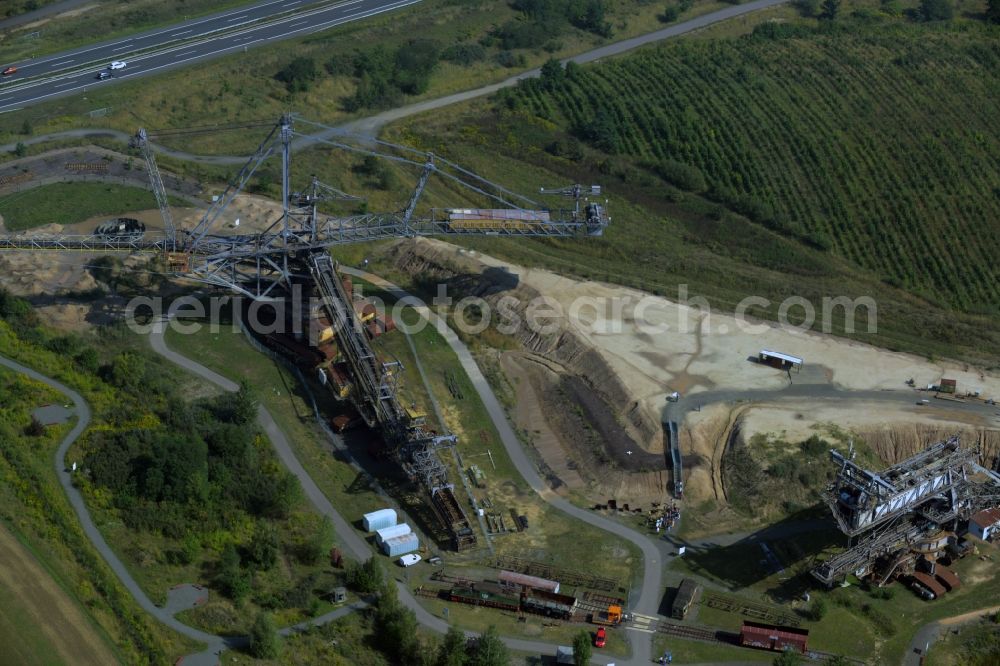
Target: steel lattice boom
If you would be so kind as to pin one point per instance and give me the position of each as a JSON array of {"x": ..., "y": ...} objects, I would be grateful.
[
  {"x": 885, "y": 513},
  {"x": 291, "y": 250}
]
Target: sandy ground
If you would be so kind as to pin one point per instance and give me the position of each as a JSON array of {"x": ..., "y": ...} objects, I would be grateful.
[
  {"x": 802, "y": 419},
  {"x": 28, "y": 274},
  {"x": 60, "y": 623},
  {"x": 254, "y": 213},
  {"x": 698, "y": 352},
  {"x": 695, "y": 353}
]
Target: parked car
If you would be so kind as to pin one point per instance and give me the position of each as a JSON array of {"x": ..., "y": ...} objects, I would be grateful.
[
  {"x": 117, "y": 64},
  {"x": 10, "y": 70},
  {"x": 409, "y": 560},
  {"x": 601, "y": 638}
]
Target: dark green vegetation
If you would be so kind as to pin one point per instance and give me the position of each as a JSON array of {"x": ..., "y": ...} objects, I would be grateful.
[
  {"x": 770, "y": 140},
  {"x": 16, "y": 8},
  {"x": 207, "y": 465},
  {"x": 200, "y": 493},
  {"x": 397, "y": 637},
  {"x": 69, "y": 203},
  {"x": 384, "y": 74},
  {"x": 189, "y": 490},
  {"x": 765, "y": 471},
  {"x": 542, "y": 21},
  {"x": 34, "y": 504},
  {"x": 854, "y": 158}
]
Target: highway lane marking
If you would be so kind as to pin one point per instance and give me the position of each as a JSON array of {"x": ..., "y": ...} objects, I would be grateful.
[
  {"x": 299, "y": 23},
  {"x": 187, "y": 52},
  {"x": 64, "y": 62},
  {"x": 238, "y": 18},
  {"x": 178, "y": 34},
  {"x": 320, "y": 26},
  {"x": 206, "y": 19},
  {"x": 354, "y": 17},
  {"x": 289, "y": 4},
  {"x": 60, "y": 85},
  {"x": 122, "y": 48}
]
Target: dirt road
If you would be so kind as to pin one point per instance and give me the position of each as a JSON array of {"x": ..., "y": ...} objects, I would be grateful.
[
  {"x": 931, "y": 631},
  {"x": 371, "y": 125}
]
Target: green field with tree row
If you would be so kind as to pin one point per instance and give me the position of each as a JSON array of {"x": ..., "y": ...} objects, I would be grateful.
[{"x": 877, "y": 141}]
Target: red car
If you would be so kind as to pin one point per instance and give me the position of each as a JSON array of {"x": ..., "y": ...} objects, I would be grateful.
[
  {"x": 10, "y": 70},
  {"x": 601, "y": 638}
]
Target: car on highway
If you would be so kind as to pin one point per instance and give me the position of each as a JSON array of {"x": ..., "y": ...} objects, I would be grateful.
[
  {"x": 104, "y": 75},
  {"x": 601, "y": 638},
  {"x": 409, "y": 560},
  {"x": 10, "y": 70},
  {"x": 117, "y": 64}
]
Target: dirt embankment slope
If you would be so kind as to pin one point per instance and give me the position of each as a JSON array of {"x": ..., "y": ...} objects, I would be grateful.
[
  {"x": 561, "y": 344},
  {"x": 632, "y": 369}
]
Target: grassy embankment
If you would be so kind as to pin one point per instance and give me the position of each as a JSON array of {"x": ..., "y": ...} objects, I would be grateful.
[
  {"x": 551, "y": 537},
  {"x": 856, "y": 622},
  {"x": 974, "y": 644},
  {"x": 156, "y": 438},
  {"x": 36, "y": 508},
  {"x": 69, "y": 203},
  {"x": 37, "y": 595},
  {"x": 242, "y": 88},
  {"x": 790, "y": 163}
]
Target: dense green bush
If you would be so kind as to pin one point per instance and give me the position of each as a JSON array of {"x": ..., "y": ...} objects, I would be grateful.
[
  {"x": 385, "y": 75},
  {"x": 298, "y": 74},
  {"x": 464, "y": 54}
]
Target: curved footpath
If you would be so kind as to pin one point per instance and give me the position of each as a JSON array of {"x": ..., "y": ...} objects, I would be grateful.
[
  {"x": 216, "y": 644},
  {"x": 371, "y": 125},
  {"x": 931, "y": 632},
  {"x": 650, "y": 588},
  {"x": 346, "y": 534}
]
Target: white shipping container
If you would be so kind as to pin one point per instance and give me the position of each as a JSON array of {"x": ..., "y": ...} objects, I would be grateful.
[
  {"x": 400, "y": 545},
  {"x": 390, "y": 532},
  {"x": 377, "y": 520}
]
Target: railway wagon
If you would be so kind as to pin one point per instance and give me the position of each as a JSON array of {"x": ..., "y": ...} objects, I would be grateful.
[
  {"x": 773, "y": 637},
  {"x": 499, "y": 219},
  {"x": 485, "y": 594},
  {"x": 550, "y": 604}
]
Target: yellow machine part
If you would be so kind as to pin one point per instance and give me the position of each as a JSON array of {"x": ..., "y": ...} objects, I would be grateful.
[{"x": 614, "y": 614}]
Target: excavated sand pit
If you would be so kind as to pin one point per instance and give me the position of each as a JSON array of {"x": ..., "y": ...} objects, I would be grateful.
[{"x": 631, "y": 370}]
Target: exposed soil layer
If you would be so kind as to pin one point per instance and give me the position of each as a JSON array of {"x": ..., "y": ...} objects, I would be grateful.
[
  {"x": 574, "y": 440},
  {"x": 435, "y": 262},
  {"x": 611, "y": 437},
  {"x": 896, "y": 442}
]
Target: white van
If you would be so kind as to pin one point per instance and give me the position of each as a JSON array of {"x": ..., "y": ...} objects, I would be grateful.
[{"x": 409, "y": 560}]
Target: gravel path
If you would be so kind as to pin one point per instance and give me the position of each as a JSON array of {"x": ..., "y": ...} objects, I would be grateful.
[
  {"x": 649, "y": 589},
  {"x": 346, "y": 534},
  {"x": 931, "y": 632},
  {"x": 371, "y": 125}
]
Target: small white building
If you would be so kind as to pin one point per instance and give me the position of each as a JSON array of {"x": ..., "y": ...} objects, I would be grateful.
[{"x": 985, "y": 524}]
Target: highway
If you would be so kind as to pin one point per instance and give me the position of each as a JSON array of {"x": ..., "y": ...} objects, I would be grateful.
[{"x": 181, "y": 45}]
